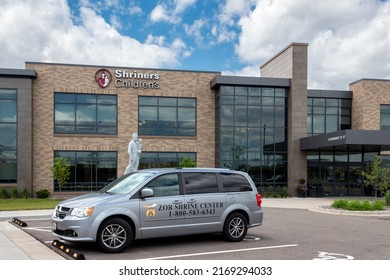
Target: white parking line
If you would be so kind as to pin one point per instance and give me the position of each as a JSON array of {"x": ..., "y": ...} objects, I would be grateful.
[{"x": 222, "y": 252}]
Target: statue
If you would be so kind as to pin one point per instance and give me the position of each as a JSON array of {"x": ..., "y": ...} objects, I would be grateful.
[{"x": 134, "y": 149}]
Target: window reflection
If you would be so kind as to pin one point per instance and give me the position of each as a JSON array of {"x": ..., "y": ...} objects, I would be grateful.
[
  {"x": 252, "y": 133},
  {"x": 90, "y": 170},
  {"x": 326, "y": 115},
  {"x": 167, "y": 116},
  {"x": 163, "y": 159},
  {"x": 8, "y": 136},
  {"x": 85, "y": 113}
]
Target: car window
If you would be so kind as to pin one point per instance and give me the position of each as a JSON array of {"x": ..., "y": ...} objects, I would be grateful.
[
  {"x": 200, "y": 182},
  {"x": 235, "y": 183},
  {"x": 127, "y": 183},
  {"x": 165, "y": 185}
]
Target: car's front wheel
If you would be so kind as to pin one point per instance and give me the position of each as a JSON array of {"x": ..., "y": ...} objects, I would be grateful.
[
  {"x": 235, "y": 227},
  {"x": 114, "y": 235}
]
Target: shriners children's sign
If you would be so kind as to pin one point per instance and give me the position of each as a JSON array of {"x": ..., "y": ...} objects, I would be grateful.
[{"x": 128, "y": 79}]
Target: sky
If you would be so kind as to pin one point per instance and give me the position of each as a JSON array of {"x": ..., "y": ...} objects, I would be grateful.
[{"x": 348, "y": 39}]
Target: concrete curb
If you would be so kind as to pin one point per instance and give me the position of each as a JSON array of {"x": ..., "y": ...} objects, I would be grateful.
[{"x": 334, "y": 211}]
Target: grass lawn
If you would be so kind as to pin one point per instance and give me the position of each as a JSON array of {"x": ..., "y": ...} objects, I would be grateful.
[{"x": 27, "y": 204}]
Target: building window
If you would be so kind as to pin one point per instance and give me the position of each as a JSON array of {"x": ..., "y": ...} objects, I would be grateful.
[
  {"x": 90, "y": 171},
  {"x": 252, "y": 133},
  {"x": 85, "y": 114},
  {"x": 385, "y": 117},
  {"x": 8, "y": 135},
  {"x": 166, "y": 116},
  {"x": 163, "y": 159},
  {"x": 326, "y": 115}
]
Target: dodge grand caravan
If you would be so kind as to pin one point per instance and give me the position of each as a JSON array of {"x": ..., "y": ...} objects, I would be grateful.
[{"x": 161, "y": 202}]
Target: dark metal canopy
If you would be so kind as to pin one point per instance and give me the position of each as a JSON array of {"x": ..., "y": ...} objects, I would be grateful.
[{"x": 370, "y": 139}]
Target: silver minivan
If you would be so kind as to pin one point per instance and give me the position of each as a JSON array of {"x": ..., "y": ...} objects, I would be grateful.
[{"x": 161, "y": 202}]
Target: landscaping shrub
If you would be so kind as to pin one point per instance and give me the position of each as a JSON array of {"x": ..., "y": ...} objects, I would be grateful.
[
  {"x": 378, "y": 205},
  {"x": 44, "y": 193},
  {"x": 4, "y": 193},
  {"x": 387, "y": 199},
  {"x": 356, "y": 205},
  {"x": 341, "y": 203},
  {"x": 14, "y": 193},
  {"x": 25, "y": 193}
]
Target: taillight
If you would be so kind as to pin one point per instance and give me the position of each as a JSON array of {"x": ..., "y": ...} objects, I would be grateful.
[{"x": 258, "y": 199}]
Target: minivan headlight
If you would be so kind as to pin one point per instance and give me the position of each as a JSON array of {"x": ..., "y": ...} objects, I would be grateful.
[{"x": 82, "y": 212}]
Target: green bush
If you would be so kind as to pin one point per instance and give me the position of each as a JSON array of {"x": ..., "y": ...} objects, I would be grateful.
[
  {"x": 44, "y": 193},
  {"x": 387, "y": 199},
  {"x": 284, "y": 193},
  {"x": 187, "y": 162},
  {"x": 341, "y": 203},
  {"x": 356, "y": 205},
  {"x": 4, "y": 193},
  {"x": 378, "y": 205},
  {"x": 25, "y": 193},
  {"x": 14, "y": 193}
]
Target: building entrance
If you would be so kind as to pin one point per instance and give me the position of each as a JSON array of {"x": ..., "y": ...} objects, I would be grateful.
[{"x": 335, "y": 180}]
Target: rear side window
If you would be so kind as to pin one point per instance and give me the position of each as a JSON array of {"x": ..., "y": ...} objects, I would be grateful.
[
  {"x": 235, "y": 183},
  {"x": 200, "y": 183},
  {"x": 165, "y": 185}
]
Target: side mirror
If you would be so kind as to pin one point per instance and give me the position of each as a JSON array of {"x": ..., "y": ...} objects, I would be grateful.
[{"x": 146, "y": 192}]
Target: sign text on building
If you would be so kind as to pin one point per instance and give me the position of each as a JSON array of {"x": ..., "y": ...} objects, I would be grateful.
[{"x": 135, "y": 79}]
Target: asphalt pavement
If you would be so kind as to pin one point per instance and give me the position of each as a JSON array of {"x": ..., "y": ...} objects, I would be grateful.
[{"x": 16, "y": 244}]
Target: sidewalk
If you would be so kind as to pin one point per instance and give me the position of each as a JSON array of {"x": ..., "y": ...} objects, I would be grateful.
[{"x": 15, "y": 244}]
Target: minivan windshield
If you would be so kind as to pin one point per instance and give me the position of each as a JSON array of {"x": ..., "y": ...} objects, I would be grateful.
[{"x": 126, "y": 183}]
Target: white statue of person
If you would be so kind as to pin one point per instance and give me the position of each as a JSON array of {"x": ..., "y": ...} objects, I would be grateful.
[{"x": 134, "y": 150}]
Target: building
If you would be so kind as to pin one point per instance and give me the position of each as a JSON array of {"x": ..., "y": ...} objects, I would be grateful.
[{"x": 271, "y": 126}]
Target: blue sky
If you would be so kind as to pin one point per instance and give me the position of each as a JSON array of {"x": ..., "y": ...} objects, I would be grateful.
[{"x": 348, "y": 40}]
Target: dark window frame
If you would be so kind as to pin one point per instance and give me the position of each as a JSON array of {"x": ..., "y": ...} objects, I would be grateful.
[
  {"x": 162, "y": 127},
  {"x": 10, "y": 94},
  {"x": 76, "y": 161},
  {"x": 75, "y": 128}
]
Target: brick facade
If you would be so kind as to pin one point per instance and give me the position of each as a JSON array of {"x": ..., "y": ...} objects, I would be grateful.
[
  {"x": 81, "y": 79},
  {"x": 291, "y": 63},
  {"x": 368, "y": 95}
]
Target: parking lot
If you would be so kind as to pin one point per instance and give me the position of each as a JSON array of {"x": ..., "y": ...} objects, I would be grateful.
[{"x": 286, "y": 234}]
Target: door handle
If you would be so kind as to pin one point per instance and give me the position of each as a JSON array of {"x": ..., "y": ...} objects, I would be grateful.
[
  {"x": 191, "y": 201},
  {"x": 177, "y": 202}
]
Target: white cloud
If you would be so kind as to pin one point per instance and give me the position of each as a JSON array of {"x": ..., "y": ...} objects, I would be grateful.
[
  {"x": 348, "y": 40},
  {"x": 45, "y": 32},
  {"x": 194, "y": 30},
  {"x": 135, "y": 10},
  {"x": 161, "y": 13},
  {"x": 182, "y": 5},
  {"x": 170, "y": 12},
  {"x": 249, "y": 71},
  {"x": 224, "y": 28}
]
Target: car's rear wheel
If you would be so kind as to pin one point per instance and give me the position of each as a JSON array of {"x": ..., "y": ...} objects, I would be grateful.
[
  {"x": 235, "y": 227},
  {"x": 114, "y": 235}
]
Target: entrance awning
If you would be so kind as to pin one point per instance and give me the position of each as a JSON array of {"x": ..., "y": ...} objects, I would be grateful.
[{"x": 374, "y": 140}]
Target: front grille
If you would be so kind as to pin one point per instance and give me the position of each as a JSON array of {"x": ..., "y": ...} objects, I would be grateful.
[{"x": 61, "y": 212}]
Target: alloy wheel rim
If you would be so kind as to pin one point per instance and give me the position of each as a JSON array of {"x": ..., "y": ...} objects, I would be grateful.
[
  {"x": 236, "y": 227},
  {"x": 114, "y": 236}
]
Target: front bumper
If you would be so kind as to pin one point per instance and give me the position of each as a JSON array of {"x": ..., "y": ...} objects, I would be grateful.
[{"x": 73, "y": 228}]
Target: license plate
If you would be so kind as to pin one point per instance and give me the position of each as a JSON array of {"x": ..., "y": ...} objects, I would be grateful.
[{"x": 54, "y": 226}]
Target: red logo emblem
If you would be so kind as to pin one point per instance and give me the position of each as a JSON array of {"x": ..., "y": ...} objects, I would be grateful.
[{"x": 103, "y": 77}]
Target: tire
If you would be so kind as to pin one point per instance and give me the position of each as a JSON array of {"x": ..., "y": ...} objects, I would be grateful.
[
  {"x": 235, "y": 227},
  {"x": 114, "y": 235}
]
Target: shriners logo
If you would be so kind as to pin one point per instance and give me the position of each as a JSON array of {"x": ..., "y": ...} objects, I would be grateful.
[
  {"x": 103, "y": 77},
  {"x": 150, "y": 211}
]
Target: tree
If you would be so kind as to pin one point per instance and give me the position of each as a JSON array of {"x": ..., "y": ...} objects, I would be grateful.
[
  {"x": 377, "y": 176},
  {"x": 187, "y": 162},
  {"x": 61, "y": 171}
]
